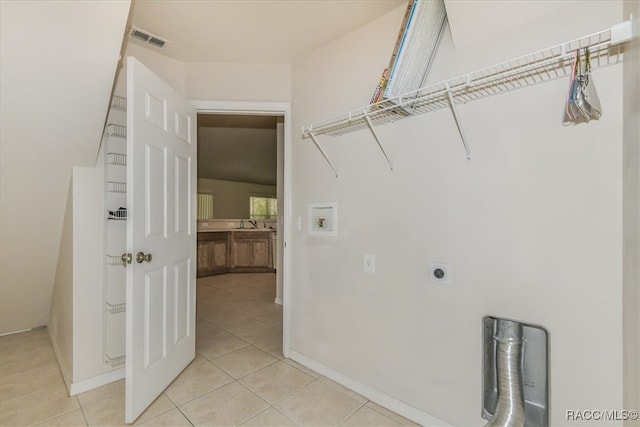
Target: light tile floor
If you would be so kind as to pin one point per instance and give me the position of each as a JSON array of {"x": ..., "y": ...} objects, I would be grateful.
[{"x": 239, "y": 376}]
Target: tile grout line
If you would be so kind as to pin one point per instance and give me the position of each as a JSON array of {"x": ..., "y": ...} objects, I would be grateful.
[
  {"x": 245, "y": 375},
  {"x": 341, "y": 422},
  {"x": 384, "y": 415},
  {"x": 259, "y": 397},
  {"x": 181, "y": 411},
  {"x": 284, "y": 397},
  {"x": 282, "y": 413},
  {"x": 84, "y": 416}
]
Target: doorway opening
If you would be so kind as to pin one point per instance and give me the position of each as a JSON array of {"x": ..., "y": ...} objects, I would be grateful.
[
  {"x": 237, "y": 187},
  {"x": 243, "y": 172}
]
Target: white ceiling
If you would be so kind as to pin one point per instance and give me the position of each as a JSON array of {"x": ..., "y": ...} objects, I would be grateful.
[{"x": 254, "y": 31}]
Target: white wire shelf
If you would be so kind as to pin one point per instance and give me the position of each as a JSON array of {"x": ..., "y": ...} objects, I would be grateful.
[
  {"x": 117, "y": 215},
  {"x": 115, "y": 362},
  {"x": 116, "y": 130},
  {"x": 118, "y": 103},
  {"x": 606, "y": 48},
  {"x": 116, "y": 187},
  {"x": 115, "y": 308},
  {"x": 117, "y": 159}
]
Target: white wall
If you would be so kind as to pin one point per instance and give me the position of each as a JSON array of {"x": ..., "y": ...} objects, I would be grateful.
[
  {"x": 88, "y": 302},
  {"x": 631, "y": 216},
  {"x": 531, "y": 225},
  {"x": 230, "y": 198},
  {"x": 76, "y": 316},
  {"x": 57, "y": 69},
  {"x": 238, "y": 82},
  {"x": 218, "y": 81},
  {"x": 60, "y": 325}
]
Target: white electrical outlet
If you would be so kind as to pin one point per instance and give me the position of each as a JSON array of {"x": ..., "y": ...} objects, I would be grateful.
[
  {"x": 439, "y": 273},
  {"x": 369, "y": 263}
]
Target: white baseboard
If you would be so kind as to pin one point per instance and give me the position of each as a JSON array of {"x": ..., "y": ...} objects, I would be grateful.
[
  {"x": 15, "y": 332},
  {"x": 95, "y": 382},
  {"x": 86, "y": 385},
  {"x": 66, "y": 377},
  {"x": 370, "y": 393}
]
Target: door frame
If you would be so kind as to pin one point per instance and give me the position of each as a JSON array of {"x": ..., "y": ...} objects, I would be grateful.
[{"x": 278, "y": 109}]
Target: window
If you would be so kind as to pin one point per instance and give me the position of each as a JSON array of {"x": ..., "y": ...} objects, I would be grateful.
[
  {"x": 205, "y": 206},
  {"x": 263, "y": 208}
]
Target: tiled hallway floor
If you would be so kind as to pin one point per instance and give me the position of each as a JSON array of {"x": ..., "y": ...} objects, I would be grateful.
[{"x": 239, "y": 376}]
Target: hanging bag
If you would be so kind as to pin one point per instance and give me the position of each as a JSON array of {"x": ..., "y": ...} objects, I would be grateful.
[
  {"x": 582, "y": 80},
  {"x": 589, "y": 94},
  {"x": 572, "y": 109}
]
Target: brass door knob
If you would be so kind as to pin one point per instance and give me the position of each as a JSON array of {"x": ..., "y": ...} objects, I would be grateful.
[{"x": 142, "y": 257}]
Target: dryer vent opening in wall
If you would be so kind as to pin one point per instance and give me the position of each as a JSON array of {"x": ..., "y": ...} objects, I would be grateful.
[
  {"x": 146, "y": 37},
  {"x": 515, "y": 374}
]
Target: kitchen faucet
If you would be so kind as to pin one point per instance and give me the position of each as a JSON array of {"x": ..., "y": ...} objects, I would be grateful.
[{"x": 254, "y": 223}]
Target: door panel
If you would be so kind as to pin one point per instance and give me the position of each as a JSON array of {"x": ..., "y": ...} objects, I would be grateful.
[
  {"x": 161, "y": 291},
  {"x": 183, "y": 127},
  {"x": 155, "y": 111},
  {"x": 155, "y": 177},
  {"x": 182, "y": 193},
  {"x": 182, "y": 305},
  {"x": 155, "y": 296}
]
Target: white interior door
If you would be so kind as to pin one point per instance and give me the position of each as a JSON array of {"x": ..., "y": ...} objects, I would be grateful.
[{"x": 161, "y": 236}]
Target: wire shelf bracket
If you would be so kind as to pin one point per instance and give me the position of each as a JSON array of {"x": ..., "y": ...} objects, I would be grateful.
[
  {"x": 606, "y": 48},
  {"x": 375, "y": 136},
  {"x": 456, "y": 117},
  {"x": 324, "y": 154}
]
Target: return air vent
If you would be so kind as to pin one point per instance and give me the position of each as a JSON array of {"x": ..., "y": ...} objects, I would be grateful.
[{"x": 146, "y": 37}]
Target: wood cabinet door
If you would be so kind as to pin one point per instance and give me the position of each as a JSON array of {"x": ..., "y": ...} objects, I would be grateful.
[
  {"x": 220, "y": 257},
  {"x": 205, "y": 258},
  {"x": 243, "y": 253},
  {"x": 261, "y": 253},
  {"x": 213, "y": 253}
]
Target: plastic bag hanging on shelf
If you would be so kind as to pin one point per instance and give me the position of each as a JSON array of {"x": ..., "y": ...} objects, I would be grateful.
[
  {"x": 572, "y": 111},
  {"x": 591, "y": 106},
  {"x": 583, "y": 102}
]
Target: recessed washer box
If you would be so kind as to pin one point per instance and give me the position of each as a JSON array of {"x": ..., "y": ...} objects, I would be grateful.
[{"x": 323, "y": 219}]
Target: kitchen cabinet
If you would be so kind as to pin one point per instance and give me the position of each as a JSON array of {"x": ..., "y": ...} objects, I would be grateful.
[
  {"x": 252, "y": 251},
  {"x": 235, "y": 251},
  {"x": 214, "y": 253}
]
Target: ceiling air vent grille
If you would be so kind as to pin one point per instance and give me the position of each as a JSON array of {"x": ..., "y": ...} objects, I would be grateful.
[
  {"x": 146, "y": 37},
  {"x": 156, "y": 41}
]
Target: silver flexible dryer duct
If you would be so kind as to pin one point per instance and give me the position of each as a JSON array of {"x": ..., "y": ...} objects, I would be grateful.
[{"x": 510, "y": 407}]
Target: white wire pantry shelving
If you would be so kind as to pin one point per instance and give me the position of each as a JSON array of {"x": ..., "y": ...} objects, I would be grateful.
[
  {"x": 606, "y": 48},
  {"x": 115, "y": 198}
]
